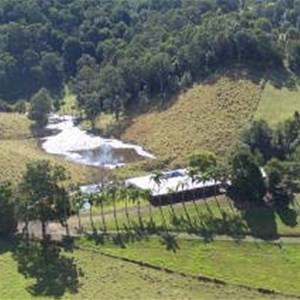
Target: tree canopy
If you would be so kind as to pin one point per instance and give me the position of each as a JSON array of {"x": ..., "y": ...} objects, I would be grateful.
[{"x": 119, "y": 54}]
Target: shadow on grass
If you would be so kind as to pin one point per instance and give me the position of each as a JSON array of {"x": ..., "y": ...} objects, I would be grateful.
[
  {"x": 205, "y": 227},
  {"x": 261, "y": 222},
  {"x": 209, "y": 225},
  {"x": 169, "y": 241},
  {"x": 288, "y": 216},
  {"x": 242, "y": 220},
  {"x": 55, "y": 273}
]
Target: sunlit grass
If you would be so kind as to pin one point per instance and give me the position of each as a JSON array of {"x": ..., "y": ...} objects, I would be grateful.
[
  {"x": 278, "y": 104},
  {"x": 210, "y": 115},
  {"x": 260, "y": 265},
  {"x": 14, "y": 126},
  {"x": 108, "y": 278}
]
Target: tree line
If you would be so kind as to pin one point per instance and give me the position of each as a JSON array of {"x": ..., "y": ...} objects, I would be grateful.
[{"x": 121, "y": 54}]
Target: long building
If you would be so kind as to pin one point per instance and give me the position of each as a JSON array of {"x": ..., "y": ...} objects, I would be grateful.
[{"x": 175, "y": 186}]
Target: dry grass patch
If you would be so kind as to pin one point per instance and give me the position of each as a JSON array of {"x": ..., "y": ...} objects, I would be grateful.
[
  {"x": 210, "y": 115},
  {"x": 14, "y": 126},
  {"x": 16, "y": 153}
]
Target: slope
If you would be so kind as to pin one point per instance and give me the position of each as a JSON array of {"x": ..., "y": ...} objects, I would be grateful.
[{"x": 210, "y": 115}]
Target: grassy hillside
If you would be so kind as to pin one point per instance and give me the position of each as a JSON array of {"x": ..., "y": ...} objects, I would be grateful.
[
  {"x": 17, "y": 147},
  {"x": 14, "y": 126},
  {"x": 210, "y": 115},
  {"x": 107, "y": 278}
]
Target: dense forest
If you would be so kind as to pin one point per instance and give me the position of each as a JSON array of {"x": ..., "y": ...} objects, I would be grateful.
[{"x": 118, "y": 54}]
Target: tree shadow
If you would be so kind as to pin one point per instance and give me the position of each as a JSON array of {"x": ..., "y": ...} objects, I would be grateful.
[
  {"x": 261, "y": 222},
  {"x": 169, "y": 241},
  {"x": 54, "y": 273},
  {"x": 40, "y": 132},
  {"x": 278, "y": 76},
  {"x": 288, "y": 216},
  {"x": 99, "y": 238},
  {"x": 7, "y": 244}
]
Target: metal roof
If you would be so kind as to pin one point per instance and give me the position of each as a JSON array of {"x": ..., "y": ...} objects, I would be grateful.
[{"x": 173, "y": 181}]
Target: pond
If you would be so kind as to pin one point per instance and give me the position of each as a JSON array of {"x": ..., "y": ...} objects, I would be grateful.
[{"x": 79, "y": 146}]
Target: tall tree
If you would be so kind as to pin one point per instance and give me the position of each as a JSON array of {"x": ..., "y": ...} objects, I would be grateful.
[
  {"x": 8, "y": 221},
  {"x": 247, "y": 180},
  {"x": 158, "y": 178},
  {"x": 40, "y": 107},
  {"x": 47, "y": 198}
]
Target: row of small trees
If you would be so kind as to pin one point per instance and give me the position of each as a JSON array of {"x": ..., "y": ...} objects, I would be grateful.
[{"x": 44, "y": 195}]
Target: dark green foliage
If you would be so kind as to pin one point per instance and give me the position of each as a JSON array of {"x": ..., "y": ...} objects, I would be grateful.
[
  {"x": 278, "y": 150},
  {"x": 143, "y": 49},
  {"x": 4, "y": 106},
  {"x": 278, "y": 184},
  {"x": 20, "y": 107},
  {"x": 259, "y": 138},
  {"x": 247, "y": 181},
  {"x": 40, "y": 107},
  {"x": 280, "y": 142},
  {"x": 45, "y": 198},
  {"x": 203, "y": 161},
  {"x": 8, "y": 223}
]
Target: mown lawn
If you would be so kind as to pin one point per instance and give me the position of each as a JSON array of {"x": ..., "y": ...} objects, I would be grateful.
[
  {"x": 261, "y": 265},
  {"x": 101, "y": 277}
]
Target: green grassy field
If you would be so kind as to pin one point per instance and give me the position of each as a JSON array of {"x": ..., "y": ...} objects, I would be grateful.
[
  {"x": 260, "y": 265},
  {"x": 278, "y": 104},
  {"x": 101, "y": 277}
]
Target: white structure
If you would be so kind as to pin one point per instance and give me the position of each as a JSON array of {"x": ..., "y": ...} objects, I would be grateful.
[{"x": 176, "y": 181}]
